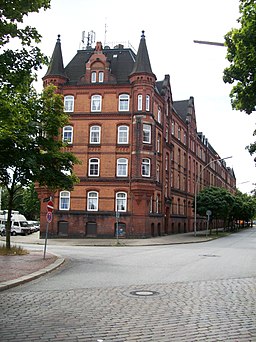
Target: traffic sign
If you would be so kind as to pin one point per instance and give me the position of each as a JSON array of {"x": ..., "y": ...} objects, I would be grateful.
[
  {"x": 49, "y": 217},
  {"x": 50, "y": 206}
]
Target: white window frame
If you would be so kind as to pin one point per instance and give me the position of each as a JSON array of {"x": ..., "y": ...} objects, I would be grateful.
[
  {"x": 158, "y": 173},
  {"x": 151, "y": 205},
  {"x": 147, "y": 103},
  {"x": 67, "y": 134},
  {"x": 93, "y": 77},
  {"x": 92, "y": 163},
  {"x": 69, "y": 103},
  {"x": 95, "y": 131},
  {"x": 96, "y": 101},
  {"x": 101, "y": 76},
  {"x": 121, "y": 201},
  {"x": 122, "y": 167},
  {"x": 158, "y": 144},
  {"x": 92, "y": 201},
  {"x": 64, "y": 203},
  {"x": 173, "y": 127},
  {"x": 157, "y": 204},
  {"x": 159, "y": 115},
  {"x": 145, "y": 167},
  {"x": 123, "y": 103},
  {"x": 147, "y": 133},
  {"x": 123, "y": 134},
  {"x": 139, "y": 102}
]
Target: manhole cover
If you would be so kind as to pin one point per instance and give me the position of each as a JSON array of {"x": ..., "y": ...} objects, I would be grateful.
[{"x": 144, "y": 293}]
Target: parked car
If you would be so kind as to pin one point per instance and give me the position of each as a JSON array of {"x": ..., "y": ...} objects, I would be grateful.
[
  {"x": 19, "y": 224},
  {"x": 34, "y": 226}
]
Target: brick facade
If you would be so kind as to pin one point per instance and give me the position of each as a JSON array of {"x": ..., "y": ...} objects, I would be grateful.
[{"x": 138, "y": 148}]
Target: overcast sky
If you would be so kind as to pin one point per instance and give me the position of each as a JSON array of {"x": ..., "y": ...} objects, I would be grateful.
[{"x": 170, "y": 28}]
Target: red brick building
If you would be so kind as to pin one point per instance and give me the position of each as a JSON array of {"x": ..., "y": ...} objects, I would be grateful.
[{"x": 140, "y": 152}]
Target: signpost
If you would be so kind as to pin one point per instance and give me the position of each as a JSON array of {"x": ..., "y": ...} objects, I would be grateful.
[
  {"x": 208, "y": 213},
  {"x": 117, "y": 228},
  {"x": 48, "y": 219}
]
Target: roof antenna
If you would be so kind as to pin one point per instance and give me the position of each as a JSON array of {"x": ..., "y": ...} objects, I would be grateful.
[
  {"x": 90, "y": 39},
  {"x": 82, "y": 44},
  {"x": 105, "y": 35}
]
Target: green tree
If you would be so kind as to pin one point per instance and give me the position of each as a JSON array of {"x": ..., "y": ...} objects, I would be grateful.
[
  {"x": 25, "y": 201},
  {"x": 29, "y": 123},
  {"x": 219, "y": 200},
  {"x": 241, "y": 53}
]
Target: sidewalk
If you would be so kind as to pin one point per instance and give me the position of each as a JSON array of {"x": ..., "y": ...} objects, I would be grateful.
[{"x": 18, "y": 269}]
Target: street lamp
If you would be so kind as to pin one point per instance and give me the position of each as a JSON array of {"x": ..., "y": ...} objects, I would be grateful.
[{"x": 196, "y": 185}]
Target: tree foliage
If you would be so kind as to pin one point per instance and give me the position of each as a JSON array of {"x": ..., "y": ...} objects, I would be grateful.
[
  {"x": 25, "y": 201},
  {"x": 219, "y": 200},
  {"x": 225, "y": 205},
  {"x": 241, "y": 53},
  {"x": 16, "y": 64},
  {"x": 29, "y": 123}
]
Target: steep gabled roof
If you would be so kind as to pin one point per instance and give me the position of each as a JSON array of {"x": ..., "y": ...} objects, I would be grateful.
[{"x": 56, "y": 67}]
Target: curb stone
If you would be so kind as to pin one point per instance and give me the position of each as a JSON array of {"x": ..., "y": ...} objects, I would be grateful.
[{"x": 24, "y": 279}]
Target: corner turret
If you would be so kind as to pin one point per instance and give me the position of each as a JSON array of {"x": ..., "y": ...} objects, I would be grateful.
[{"x": 56, "y": 73}]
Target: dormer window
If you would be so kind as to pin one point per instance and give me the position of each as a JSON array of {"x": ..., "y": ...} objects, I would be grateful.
[
  {"x": 97, "y": 77},
  {"x": 101, "y": 76},
  {"x": 93, "y": 77}
]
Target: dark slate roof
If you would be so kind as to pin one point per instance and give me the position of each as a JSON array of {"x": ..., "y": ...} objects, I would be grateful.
[
  {"x": 142, "y": 63},
  {"x": 181, "y": 108},
  {"x": 56, "y": 67},
  {"x": 121, "y": 63}
]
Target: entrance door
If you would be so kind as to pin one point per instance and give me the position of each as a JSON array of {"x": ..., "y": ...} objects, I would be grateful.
[
  {"x": 63, "y": 228},
  {"x": 91, "y": 229}
]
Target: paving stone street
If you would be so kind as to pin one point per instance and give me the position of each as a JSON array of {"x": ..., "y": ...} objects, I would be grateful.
[{"x": 219, "y": 310}]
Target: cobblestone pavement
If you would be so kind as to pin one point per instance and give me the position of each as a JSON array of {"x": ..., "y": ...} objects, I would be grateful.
[{"x": 220, "y": 310}]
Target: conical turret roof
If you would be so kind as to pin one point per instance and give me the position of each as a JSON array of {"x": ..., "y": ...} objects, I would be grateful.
[
  {"x": 142, "y": 63},
  {"x": 56, "y": 67}
]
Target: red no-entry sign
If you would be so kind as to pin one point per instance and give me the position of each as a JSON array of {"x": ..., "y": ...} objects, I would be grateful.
[{"x": 50, "y": 206}]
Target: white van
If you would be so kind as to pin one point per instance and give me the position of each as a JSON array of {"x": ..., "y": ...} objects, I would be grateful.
[{"x": 19, "y": 223}]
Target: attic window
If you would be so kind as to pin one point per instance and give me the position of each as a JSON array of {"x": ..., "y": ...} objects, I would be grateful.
[{"x": 93, "y": 77}]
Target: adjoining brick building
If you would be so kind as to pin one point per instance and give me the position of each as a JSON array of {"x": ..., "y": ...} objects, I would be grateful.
[{"x": 141, "y": 155}]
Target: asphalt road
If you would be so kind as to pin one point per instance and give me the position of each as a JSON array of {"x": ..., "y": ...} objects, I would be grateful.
[{"x": 194, "y": 292}]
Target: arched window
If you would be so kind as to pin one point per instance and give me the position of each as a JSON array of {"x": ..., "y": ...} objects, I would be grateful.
[
  {"x": 69, "y": 103},
  {"x": 145, "y": 167},
  {"x": 123, "y": 135},
  {"x": 64, "y": 203},
  {"x": 146, "y": 134},
  {"x": 139, "y": 102},
  {"x": 92, "y": 201},
  {"x": 67, "y": 134},
  {"x": 147, "y": 103},
  {"x": 96, "y": 101},
  {"x": 95, "y": 134},
  {"x": 124, "y": 102},
  {"x": 122, "y": 167},
  {"x": 101, "y": 76},
  {"x": 93, "y": 77},
  {"x": 121, "y": 201},
  {"x": 94, "y": 167},
  {"x": 159, "y": 115}
]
